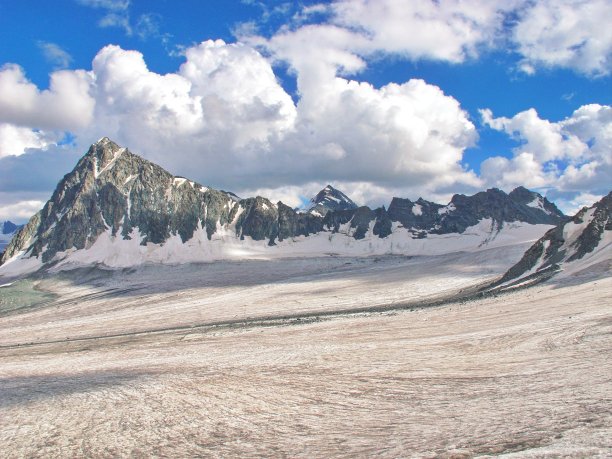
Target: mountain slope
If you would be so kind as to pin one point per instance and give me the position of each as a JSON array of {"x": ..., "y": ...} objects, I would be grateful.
[
  {"x": 119, "y": 209},
  {"x": 585, "y": 239},
  {"x": 113, "y": 190}
]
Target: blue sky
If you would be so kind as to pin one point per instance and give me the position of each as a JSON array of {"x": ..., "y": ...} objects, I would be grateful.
[{"x": 380, "y": 98}]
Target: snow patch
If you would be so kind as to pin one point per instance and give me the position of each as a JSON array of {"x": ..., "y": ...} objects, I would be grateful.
[
  {"x": 129, "y": 178},
  {"x": 538, "y": 203},
  {"x": 446, "y": 209},
  {"x": 20, "y": 264},
  {"x": 111, "y": 163},
  {"x": 417, "y": 210}
]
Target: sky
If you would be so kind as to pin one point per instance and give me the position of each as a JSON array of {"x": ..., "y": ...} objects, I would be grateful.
[{"x": 380, "y": 98}]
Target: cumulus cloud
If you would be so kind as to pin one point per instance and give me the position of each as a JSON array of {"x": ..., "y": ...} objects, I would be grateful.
[
  {"x": 224, "y": 119},
  {"x": 570, "y": 34},
  {"x": 571, "y": 203},
  {"x": 573, "y": 34},
  {"x": 446, "y": 30},
  {"x": 37, "y": 170},
  {"x": 570, "y": 155},
  {"x": 544, "y": 140},
  {"x": 66, "y": 105},
  {"x": 15, "y": 140}
]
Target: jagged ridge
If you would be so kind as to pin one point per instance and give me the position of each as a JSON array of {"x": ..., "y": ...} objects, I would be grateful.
[{"x": 113, "y": 190}]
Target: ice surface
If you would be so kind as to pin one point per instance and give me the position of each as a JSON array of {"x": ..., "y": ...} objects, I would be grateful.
[{"x": 525, "y": 374}]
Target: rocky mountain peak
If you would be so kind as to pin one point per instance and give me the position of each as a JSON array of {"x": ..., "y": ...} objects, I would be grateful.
[
  {"x": 535, "y": 200},
  {"x": 329, "y": 198}
]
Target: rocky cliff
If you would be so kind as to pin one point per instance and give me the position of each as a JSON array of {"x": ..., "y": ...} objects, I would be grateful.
[{"x": 589, "y": 231}]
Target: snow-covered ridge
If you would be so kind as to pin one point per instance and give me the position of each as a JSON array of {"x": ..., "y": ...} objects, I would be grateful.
[
  {"x": 118, "y": 203},
  {"x": 117, "y": 252}
]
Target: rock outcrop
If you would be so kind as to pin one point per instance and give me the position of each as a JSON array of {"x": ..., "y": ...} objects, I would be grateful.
[{"x": 568, "y": 242}]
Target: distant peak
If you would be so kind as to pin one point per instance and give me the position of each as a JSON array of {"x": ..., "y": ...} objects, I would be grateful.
[{"x": 329, "y": 198}]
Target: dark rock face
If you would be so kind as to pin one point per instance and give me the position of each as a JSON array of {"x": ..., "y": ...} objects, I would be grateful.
[
  {"x": 329, "y": 199},
  {"x": 465, "y": 211},
  {"x": 590, "y": 237},
  {"x": 553, "y": 249},
  {"x": 383, "y": 226},
  {"x": 419, "y": 215},
  {"x": 112, "y": 189},
  {"x": 537, "y": 202},
  {"x": 359, "y": 221},
  {"x": 494, "y": 204},
  {"x": 292, "y": 224},
  {"x": 257, "y": 218}
]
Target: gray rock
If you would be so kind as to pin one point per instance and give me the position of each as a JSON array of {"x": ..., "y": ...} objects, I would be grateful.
[
  {"x": 329, "y": 199},
  {"x": 558, "y": 251},
  {"x": 112, "y": 189}
]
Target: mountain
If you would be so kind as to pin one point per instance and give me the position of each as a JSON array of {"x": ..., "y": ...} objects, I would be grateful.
[
  {"x": 585, "y": 239},
  {"x": 119, "y": 209},
  {"x": 7, "y": 231},
  {"x": 329, "y": 198},
  {"x": 466, "y": 211},
  {"x": 8, "y": 227}
]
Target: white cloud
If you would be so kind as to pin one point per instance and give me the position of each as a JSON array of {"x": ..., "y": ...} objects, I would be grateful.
[
  {"x": 448, "y": 30},
  {"x": 20, "y": 211},
  {"x": 570, "y": 155},
  {"x": 574, "y": 34},
  {"x": 120, "y": 21},
  {"x": 543, "y": 139},
  {"x": 147, "y": 26},
  {"x": 571, "y": 205},
  {"x": 15, "y": 140},
  {"x": 403, "y": 133},
  {"x": 523, "y": 169},
  {"x": 66, "y": 105},
  {"x": 445, "y": 30},
  {"x": 116, "y": 13},
  {"x": 54, "y": 54},
  {"x": 224, "y": 120}
]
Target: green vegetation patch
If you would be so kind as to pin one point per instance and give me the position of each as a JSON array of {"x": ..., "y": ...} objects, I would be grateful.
[{"x": 20, "y": 296}]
